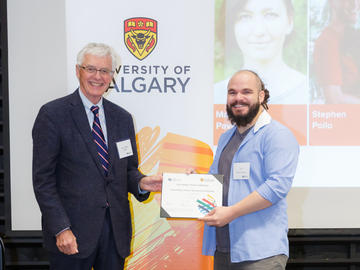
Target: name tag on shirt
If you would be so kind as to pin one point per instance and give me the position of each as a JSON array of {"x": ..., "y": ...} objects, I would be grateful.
[
  {"x": 241, "y": 170},
  {"x": 124, "y": 148}
]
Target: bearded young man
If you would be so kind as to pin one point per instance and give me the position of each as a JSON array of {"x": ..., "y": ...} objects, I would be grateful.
[{"x": 258, "y": 158}]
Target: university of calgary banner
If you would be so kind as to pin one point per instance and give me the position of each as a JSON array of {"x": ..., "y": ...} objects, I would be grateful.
[{"x": 165, "y": 80}]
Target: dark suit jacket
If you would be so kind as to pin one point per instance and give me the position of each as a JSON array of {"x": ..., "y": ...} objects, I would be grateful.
[{"x": 69, "y": 182}]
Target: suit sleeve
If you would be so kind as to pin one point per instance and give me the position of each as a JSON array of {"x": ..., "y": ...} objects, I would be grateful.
[
  {"x": 46, "y": 149},
  {"x": 134, "y": 175}
]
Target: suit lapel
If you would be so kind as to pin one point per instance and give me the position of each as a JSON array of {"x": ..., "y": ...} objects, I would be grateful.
[{"x": 78, "y": 114}]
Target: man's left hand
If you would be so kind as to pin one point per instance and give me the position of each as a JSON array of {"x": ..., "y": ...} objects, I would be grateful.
[
  {"x": 219, "y": 216},
  {"x": 151, "y": 183}
]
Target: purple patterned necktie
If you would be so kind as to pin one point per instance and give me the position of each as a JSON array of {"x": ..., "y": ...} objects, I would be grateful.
[{"x": 99, "y": 139}]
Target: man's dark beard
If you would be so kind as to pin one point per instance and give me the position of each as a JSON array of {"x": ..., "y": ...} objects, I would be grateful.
[{"x": 243, "y": 120}]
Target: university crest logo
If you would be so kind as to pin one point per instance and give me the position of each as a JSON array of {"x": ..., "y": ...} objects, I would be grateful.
[{"x": 140, "y": 36}]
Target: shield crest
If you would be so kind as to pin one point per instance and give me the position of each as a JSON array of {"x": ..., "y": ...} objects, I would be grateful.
[{"x": 140, "y": 36}]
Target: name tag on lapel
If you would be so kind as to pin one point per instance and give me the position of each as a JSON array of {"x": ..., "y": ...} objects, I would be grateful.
[{"x": 124, "y": 148}]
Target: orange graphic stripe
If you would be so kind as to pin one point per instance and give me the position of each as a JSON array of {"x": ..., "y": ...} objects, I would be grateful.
[
  {"x": 182, "y": 166},
  {"x": 188, "y": 148}
]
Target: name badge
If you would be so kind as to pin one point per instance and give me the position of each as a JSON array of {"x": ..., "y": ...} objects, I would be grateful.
[
  {"x": 124, "y": 148},
  {"x": 241, "y": 170}
]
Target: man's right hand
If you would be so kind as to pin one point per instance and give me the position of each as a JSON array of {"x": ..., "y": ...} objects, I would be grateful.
[{"x": 66, "y": 242}]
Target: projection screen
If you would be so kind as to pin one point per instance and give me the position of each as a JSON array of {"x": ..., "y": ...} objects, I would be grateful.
[{"x": 179, "y": 85}]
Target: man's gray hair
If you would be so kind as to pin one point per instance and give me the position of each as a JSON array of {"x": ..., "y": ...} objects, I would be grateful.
[{"x": 98, "y": 49}]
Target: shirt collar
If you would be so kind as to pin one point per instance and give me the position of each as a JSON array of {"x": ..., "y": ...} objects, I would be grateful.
[
  {"x": 263, "y": 120},
  {"x": 87, "y": 103}
]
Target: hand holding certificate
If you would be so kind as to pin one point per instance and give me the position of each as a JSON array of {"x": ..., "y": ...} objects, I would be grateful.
[{"x": 190, "y": 195}]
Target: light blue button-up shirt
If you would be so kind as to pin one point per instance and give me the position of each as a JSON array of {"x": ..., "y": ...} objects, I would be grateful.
[{"x": 272, "y": 151}]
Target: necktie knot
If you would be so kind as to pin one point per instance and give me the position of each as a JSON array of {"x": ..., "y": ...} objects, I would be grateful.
[{"x": 95, "y": 109}]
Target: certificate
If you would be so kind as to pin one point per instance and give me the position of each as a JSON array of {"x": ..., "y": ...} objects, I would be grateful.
[{"x": 190, "y": 195}]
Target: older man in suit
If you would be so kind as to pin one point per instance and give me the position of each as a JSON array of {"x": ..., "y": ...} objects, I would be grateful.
[{"x": 84, "y": 164}]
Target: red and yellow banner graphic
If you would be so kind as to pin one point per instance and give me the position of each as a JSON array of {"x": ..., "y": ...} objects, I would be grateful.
[{"x": 160, "y": 243}]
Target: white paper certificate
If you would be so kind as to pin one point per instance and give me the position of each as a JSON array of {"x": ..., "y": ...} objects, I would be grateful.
[{"x": 190, "y": 195}]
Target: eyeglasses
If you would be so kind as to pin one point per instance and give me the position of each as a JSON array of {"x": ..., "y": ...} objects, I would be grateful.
[{"x": 93, "y": 70}]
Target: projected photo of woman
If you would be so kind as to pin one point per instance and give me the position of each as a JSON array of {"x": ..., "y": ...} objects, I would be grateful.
[
  {"x": 336, "y": 57},
  {"x": 263, "y": 36}
]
